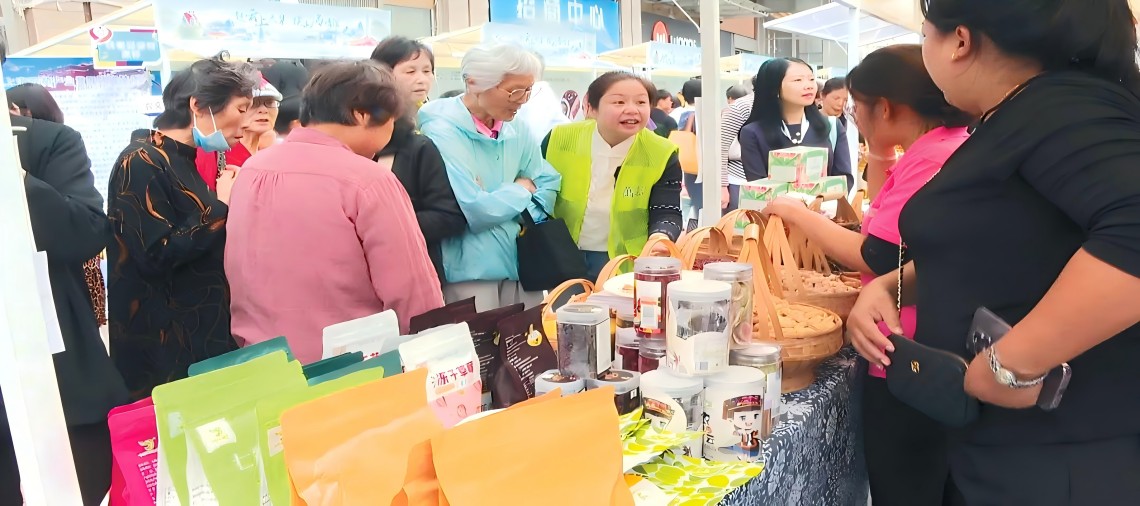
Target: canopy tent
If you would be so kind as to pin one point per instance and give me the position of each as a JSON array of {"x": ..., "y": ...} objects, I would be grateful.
[
  {"x": 76, "y": 42},
  {"x": 657, "y": 57},
  {"x": 563, "y": 50},
  {"x": 840, "y": 21}
]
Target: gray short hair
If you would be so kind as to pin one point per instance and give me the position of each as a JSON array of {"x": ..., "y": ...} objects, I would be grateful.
[{"x": 486, "y": 65}]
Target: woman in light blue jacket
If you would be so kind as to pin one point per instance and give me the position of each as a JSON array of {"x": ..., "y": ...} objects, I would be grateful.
[{"x": 497, "y": 171}]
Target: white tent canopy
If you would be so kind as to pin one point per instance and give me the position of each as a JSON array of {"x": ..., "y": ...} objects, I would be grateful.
[{"x": 834, "y": 21}]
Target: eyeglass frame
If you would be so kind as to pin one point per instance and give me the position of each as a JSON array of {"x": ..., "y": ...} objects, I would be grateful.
[
  {"x": 267, "y": 102},
  {"x": 526, "y": 94}
]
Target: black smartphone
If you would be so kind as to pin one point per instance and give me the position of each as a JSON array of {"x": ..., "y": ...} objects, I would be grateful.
[
  {"x": 1054, "y": 386},
  {"x": 988, "y": 328}
]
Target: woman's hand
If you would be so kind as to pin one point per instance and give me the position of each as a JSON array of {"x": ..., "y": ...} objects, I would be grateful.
[
  {"x": 981, "y": 384},
  {"x": 876, "y": 304},
  {"x": 226, "y": 183},
  {"x": 526, "y": 183},
  {"x": 787, "y": 208},
  {"x": 725, "y": 198},
  {"x": 659, "y": 248}
]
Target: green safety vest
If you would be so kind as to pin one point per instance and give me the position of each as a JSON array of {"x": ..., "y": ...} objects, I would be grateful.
[{"x": 569, "y": 151}]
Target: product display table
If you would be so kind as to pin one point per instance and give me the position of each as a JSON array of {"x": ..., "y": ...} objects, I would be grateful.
[{"x": 814, "y": 455}]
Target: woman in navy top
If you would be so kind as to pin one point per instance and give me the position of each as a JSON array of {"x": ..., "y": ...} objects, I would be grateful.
[{"x": 784, "y": 115}]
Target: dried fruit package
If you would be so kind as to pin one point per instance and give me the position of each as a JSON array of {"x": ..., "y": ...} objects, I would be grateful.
[
  {"x": 134, "y": 449},
  {"x": 453, "y": 384},
  {"x": 241, "y": 356}
]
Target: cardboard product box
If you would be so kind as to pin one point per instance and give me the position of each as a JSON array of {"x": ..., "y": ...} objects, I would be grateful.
[
  {"x": 800, "y": 164},
  {"x": 827, "y": 186},
  {"x": 757, "y": 194}
]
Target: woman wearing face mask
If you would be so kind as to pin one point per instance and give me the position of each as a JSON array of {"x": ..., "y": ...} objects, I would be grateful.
[
  {"x": 621, "y": 183},
  {"x": 896, "y": 103},
  {"x": 784, "y": 115},
  {"x": 496, "y": 170},
  {"x": 412, "y": 156},
  {"x": 1037, "y": 218},
  {"x": 256, "y": 135},
  {"x": 169, "y": 300},
  {"x": 319, "y": 200}
]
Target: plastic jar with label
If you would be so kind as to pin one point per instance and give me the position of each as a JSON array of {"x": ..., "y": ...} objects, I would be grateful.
[
  {"x": 584, "y": 348},
  {"x": 651, "y": 354},
  {"x": 627, "y": 391},
  {"x": 766, "y": 358},
  {"x": 674, "y": 403},
  {"x": 697, "y": 332},
  {"x": 651, "y": 279},
  {"x": 733, "y": 415},
  {"x": 740, "y": 277},
  {"x": 549, "y": 380}
]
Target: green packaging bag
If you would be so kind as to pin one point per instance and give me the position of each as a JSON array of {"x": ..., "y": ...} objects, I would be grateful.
[
  {"x": 242, "y": 355},
  {"x": 328, "y": 365},
  {"x": 222, "y": 440},
  {"x": 275, "y": 489},
  {"x": 171, "y": 399},
  {"x": 389, "y": 363}
]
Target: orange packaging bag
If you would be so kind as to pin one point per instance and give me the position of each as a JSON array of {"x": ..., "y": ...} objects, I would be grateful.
[
  {"x": 579, "y": 433},
  {"x": 353, "y": 447}
]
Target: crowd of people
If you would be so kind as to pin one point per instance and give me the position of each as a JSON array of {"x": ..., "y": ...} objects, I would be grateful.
[{"x": 277, "y": 201}]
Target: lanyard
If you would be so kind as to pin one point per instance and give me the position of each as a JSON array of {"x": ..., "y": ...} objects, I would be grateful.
[{"x": 803, "y": 132}]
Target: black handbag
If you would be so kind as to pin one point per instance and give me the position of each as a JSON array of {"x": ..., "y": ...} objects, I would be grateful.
[
  {"x": 548, "y": 255},
  {"x": 930, "y": 380}
]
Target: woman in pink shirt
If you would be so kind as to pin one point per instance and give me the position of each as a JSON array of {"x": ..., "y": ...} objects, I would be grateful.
[
  {"x": 895, "y": 104},
  {"x": 318, "y": 233}
]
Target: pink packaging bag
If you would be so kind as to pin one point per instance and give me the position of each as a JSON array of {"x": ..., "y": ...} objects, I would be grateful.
[{"x": 134, "y": 450}]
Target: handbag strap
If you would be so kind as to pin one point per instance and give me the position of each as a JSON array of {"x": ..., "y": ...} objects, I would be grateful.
[{"x": 902, "y": 248}]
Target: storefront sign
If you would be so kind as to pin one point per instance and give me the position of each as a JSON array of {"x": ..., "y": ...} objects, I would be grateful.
[
  {"x": 558, "y": 47},
  {"x": 135, "y": 47},
  {"x": 679, "y": 32},
  {"x": 263, "y": 28},
  {"x": 602, "y": 18}
]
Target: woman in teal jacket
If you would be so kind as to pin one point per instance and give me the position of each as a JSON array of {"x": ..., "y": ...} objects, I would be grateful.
[{"x": 497, "y": 171}]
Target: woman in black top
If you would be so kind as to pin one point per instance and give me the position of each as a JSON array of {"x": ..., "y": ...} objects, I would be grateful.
[
  {"x": 784, "y": 115},
  {"x": 413, "y": 157},
  {"x": 168, "y": 296},
  {"x": 1036, "y": 217}
]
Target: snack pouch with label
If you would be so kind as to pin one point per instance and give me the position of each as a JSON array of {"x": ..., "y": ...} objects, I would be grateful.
[
  {"x": 366, "y": 335},
  {"x": 134, "y": 450},
  {"x": 327, "y": 365},
  {"x": 222, "y": 442},
  {"x": 275, "y": 485},
  {"x": 525, "y": 353},
  {"x": 453, "y": 386},
  {"x": 172, "y": 399},
  {"x": 485, "y": 336},
  {"x": 452, "y": 313},
  {"x": 353, "y": 446},
  {"x": 241, "y": 356}
]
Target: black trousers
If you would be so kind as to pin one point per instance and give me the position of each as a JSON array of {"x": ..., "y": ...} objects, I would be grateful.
[
  {"x": 91, "y": 449},
  {"x": 1094, "y": 473},
  {"x": 905, "y": 451}
]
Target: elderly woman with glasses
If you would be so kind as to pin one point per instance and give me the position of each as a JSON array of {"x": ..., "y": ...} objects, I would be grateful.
[{"x": 496, "y": 169}]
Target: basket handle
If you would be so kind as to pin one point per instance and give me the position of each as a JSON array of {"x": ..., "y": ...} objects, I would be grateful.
[
  {"x": 654, "y": 240},
  {"x": 857, "y": 203},
  {"x": 776, "y": 239},
  {"x": 612, "y": 268},
  {"x": 752, "y": 251},
  {"x": 693, "y": 241},
  {"x": 556, "y": 293},
  {"x": 727, "y": 224},
  {"x": 811, "y": 256}
]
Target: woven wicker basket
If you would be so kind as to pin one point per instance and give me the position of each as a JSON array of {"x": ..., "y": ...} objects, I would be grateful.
[{"x": 798, "y": 258}]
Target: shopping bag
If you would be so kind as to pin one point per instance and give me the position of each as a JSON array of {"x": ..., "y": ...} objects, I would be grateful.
[
  {"x": 134, "y": 454},
  {"x": 547, "y": 254},
  {"x": 580, "y": 430},
  {"x": 353, "y": 446}
]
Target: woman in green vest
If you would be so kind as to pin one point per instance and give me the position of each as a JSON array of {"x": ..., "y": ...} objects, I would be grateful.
[{"x": 621, "y": 183}]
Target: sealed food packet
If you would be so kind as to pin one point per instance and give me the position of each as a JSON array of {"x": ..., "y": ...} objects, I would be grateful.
[
  {"x": 173, "y": 399},
  {"x": 525, "y": 353},
  {"x": 485, "y": 336},
  {"x": 586, "y": 441},
  {"x": 241, "y": 356},
  {"x": 453, "y": 384},
  {"x": 384, "y": 363},
  {"x": 134, "y": 454},
  {"x": 452, "y": 313},
  {"x": 276, "y": 488},
  {"x": 327, "y": 365},
  {"x": 366, "y": 335},
  {"x": 353, "y": 446}
]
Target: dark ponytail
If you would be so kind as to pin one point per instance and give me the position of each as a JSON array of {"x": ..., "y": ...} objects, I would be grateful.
[
  {"x": 896, "y": 74},
  {"x": 1093, "y": 36}
]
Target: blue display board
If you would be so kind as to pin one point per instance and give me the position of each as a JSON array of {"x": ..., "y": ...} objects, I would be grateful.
[{"x": 599, "y": 17}]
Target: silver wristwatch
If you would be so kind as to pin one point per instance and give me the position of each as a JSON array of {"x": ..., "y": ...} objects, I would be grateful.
[{"x": 1006, "y": 377}]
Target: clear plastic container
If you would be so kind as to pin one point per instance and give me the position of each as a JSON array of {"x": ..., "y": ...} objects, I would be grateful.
[
  {"x": 740, "y": 277},
  {"x": 674, "y": 403},
  {"x": 766, "y": 358},
  {"x": 549, "y": 380},
  {"x": 734, "y": 408},
  {"x": 584, "y": 348},
  {"x": 697, "y": 334},
  {"x": 651, "y": 279},
  {"x": 627, "y": 391},
  {"x": 651, "y": 353},
  {"x": 627, "y": 347}
]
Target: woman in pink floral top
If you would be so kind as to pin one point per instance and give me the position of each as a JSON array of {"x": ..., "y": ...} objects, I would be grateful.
[{"x": 895, "y": 103}]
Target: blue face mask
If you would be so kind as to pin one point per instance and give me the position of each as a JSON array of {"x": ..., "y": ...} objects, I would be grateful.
[{"x": 212, "y": 143}]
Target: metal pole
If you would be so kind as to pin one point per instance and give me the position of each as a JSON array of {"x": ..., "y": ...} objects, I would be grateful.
[
  {"x": 708, "y": 111},
  {"x": 27, "y": 372}
]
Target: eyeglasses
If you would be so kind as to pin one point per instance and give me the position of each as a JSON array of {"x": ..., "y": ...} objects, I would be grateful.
[
  {"x": 269, "y": 102},
  {"x": 521, "y": 95}
]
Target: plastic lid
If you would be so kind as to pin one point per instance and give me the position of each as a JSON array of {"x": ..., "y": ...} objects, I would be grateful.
[
  {"x": 622, "y": 381},
  {"x": 671, "y": 384},
  {"x": 583, "y": 314},
  {"x": 656, "y": 264},
  {"x": 736, "y": 375},
  {"x": 768, "y": 352},
  {"x": 699, "y": 291},
  {"x": 653, "y": 344},
  {"x": 556, "y": 376},
  {"x": 728, "y": 271}
]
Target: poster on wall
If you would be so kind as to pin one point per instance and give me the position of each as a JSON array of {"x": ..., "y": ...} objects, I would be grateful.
[
  {"x": 131, "y": 47},
  {"x": 558, "y": 47},
  {"x": 103, "y": 105},
  {"x": 267, "y": 29},
  {"x": 602, "y": 18}
]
